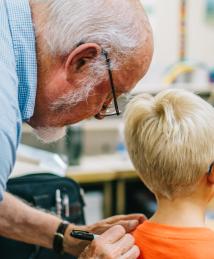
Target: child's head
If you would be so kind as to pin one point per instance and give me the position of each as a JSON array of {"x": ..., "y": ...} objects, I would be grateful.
[{"x": 170, "y": 139}]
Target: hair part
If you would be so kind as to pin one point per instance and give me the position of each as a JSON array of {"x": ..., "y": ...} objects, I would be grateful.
[{"x": 170, "y": 140}]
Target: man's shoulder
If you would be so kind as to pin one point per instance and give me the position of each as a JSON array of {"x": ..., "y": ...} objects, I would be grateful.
[
  {"x": 8, "y": 74},
  {"x": 7, "y": 57}
]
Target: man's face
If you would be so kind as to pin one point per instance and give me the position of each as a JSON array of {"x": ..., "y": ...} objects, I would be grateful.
[
  {"x": 92, "y": 105},
  {"x": 98, "y": 99}
]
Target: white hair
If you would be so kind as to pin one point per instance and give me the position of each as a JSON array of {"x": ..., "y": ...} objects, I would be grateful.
[
  {"x": 120, "y": 27},
  {"x": 49, "y": 134},
  {"x": 85, "y": 86},
  {"x": 115, "y": 25}
]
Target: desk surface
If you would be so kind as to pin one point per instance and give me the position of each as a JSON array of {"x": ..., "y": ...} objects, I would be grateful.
[
  {"x": 93, "y": 169},
  {"x": 102, "y": 168},
  {"x": 98, "y": 169}
]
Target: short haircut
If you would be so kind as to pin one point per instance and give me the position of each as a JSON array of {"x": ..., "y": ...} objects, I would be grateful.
[
  {"x": 120, "y": 27},
  {"x": 170, "y": 139}
]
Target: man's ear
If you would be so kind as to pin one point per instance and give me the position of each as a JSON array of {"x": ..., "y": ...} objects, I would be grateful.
[
  {"x": 210, "y": 176},
  {"x": 80, "y": 57}
]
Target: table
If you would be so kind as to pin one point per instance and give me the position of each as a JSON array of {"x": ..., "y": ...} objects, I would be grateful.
[
  {"x": 106, "y": 169},
  {"x": 102, "y": 169}
]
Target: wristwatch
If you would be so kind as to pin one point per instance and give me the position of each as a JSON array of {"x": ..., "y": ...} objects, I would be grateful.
[{"x": 59, "y": 237}]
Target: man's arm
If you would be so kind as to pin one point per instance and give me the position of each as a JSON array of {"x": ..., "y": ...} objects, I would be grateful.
[{"x": 21, "y": 222}]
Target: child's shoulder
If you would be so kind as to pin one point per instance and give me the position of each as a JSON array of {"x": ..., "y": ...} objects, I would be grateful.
[{"x": 148, "y": 228}]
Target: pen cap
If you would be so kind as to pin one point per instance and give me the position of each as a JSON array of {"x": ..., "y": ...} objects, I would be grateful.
[{"x": 83, "y": 235}]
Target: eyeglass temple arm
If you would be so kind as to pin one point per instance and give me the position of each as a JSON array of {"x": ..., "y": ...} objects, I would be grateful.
[{"x": 108, "y": 63}]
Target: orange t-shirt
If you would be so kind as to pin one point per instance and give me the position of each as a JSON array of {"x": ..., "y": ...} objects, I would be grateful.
[{"x": 158, "y": 241}]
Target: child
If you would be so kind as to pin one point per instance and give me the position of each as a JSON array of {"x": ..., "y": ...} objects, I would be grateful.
[{"x": 170, "y": 139}]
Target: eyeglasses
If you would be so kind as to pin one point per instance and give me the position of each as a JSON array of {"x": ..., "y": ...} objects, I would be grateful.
[{"x": 112, "y": 108}]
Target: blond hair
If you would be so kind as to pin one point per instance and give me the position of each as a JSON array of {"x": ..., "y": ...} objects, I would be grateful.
[{"x": 170, "y": 139}]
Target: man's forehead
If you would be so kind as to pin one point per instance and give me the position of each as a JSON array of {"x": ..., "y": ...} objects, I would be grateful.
[
  {"x": 134, "y": 69},
  {"x": 126, "y": 78}
]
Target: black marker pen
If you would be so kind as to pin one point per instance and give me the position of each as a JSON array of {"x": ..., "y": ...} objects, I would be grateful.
[{"x": 83, "y": 235}]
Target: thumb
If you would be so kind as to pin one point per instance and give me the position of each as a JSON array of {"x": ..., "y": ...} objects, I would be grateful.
[{"x": 129, "y": 225}]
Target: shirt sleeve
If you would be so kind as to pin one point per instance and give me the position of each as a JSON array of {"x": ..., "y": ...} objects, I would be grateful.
[
  {"x": 7, "y": 159},
  {"x": 9, "y": 106},
  {"x": 9, "y": 124}
]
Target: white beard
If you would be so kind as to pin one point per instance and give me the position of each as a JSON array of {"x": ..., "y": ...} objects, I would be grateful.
[{"x": 50, "y": 134}]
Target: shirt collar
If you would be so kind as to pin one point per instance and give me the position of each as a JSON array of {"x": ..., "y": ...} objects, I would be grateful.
[{"x": 24, "y": 45}]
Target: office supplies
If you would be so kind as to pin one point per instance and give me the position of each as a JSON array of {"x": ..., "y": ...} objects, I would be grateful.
[
  {"x": 42, "y": 194},
  {"x": 65, "y": 202},
  {"x": 58, "y": 203},
  {"x": 83, "y": 235}
]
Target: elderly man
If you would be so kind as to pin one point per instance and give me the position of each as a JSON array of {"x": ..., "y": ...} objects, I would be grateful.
[{"x": 62, "y": 62}]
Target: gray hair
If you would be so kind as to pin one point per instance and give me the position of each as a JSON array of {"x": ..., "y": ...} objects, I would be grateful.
[
  {"x": 112, "y": 24},
  {"x": 85, "y": 85},
  {"x": 119, "y": 27}
]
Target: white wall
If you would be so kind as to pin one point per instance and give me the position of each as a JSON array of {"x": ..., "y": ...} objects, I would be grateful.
[
  {"x": 165, "y": 19},
  {"x": 200, "y": 45},
  {"x": 201, "y": 34},
  {"x": 166, "y": 32}
]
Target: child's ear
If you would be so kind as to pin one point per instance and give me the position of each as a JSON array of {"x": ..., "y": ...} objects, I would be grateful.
[{"x": 210, "y": 175}]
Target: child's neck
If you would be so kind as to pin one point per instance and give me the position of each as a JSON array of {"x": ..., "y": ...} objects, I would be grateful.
[{"x": 180, "y": 212}]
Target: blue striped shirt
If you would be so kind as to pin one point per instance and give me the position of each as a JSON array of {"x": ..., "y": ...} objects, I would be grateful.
[{"x": 18, "y": 79}]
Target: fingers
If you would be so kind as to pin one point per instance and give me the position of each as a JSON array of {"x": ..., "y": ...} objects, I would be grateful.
[
  {"x": 114, "y": 243},
  {"x": 129, "y": 222},
  {"x": 133, "y": 253},
  {"x": 124, "y": 244},
  {"x": 113, "y": 234},
  {"x": 129, "y": 225},
  {"x": 137, "y": 216}
]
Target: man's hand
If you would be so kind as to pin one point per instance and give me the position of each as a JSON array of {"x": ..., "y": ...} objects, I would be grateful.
[
  {"x": 128, "y": 222},
  {"x": 21, "y": 222},
  {"x": 113, "y": 244}
]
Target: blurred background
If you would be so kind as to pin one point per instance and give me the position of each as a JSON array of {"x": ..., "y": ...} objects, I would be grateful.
[{"x": 93, "y": 152}]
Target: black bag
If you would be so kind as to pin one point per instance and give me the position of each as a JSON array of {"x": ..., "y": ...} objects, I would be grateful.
[{"x": 40, "y": 191}]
